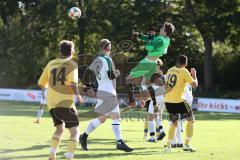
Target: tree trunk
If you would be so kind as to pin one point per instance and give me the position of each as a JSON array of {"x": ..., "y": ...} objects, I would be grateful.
[{"x": 208, "y": 83}]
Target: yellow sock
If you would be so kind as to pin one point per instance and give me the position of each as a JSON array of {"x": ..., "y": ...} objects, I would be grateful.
[
  {"x": 146, "y": 124},
  {"x": 71, "y": 147},
  {"x": 54, "y": 146},
  {"x": 171, "y": 134},
  {"x": 189, "y": 132}
]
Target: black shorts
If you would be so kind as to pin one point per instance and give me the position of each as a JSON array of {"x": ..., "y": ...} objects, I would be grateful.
[
  {"x": 69, "y": 116},
  {"x": 174, "y": 109}
]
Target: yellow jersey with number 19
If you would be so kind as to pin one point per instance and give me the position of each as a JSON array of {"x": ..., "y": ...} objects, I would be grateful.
[
  {"x": 57, "y": 77},
  {"x": 176, "y": 80}
]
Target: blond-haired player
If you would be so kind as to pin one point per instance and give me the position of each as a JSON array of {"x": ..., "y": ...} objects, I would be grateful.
[{"x": 60, "y": 77}]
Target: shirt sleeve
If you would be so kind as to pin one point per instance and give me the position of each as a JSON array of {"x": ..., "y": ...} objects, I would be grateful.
[
  {"x": 43, "y": 80},
  {"x": 142, "y": 37},
  {"x": 72, "y": 77},
  {"x": 188, "y": 78},
  {"x": 156, "y": 44}
]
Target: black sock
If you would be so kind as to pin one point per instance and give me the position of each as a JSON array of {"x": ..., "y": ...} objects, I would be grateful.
[
  {"x": 84, "y": 136},
  {"x": 119, "y": 141},
  {"x": 152, "y": 94}
]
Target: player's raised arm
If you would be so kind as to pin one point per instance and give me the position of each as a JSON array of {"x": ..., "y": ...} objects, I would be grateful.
[{"x": 194, "y": 84}]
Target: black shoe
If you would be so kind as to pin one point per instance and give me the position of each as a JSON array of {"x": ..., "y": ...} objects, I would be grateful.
[
  {"x": 161, "y": 136},
  {"x": 180, "y": 145},
  {"x": 174, "y": 145},
  {"x": 83, "y": 142},
  {"x": 124, "y": 147}
]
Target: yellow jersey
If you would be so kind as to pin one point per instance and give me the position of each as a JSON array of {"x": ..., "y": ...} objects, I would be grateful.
[
  {"x": 57, "y": 77},
  {"x": 176, "y": 80}
]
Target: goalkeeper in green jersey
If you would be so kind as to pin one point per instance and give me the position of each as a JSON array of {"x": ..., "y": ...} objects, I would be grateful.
[{"x": 156, "y": 46}]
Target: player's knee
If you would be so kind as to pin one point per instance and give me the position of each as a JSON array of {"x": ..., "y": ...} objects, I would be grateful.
[
  {"x": 151, "y": 117},
  {"x": 191, "y": 121},
  {"x": 175, "y": 124},
  {"x": 60, "y": 129},
  {"x": 102, "y": 119}
]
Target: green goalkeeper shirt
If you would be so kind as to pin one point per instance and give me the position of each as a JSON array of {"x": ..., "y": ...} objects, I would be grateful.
[{"x": 157, "y": 46}]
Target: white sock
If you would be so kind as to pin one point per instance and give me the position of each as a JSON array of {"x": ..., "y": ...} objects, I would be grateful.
[
  {"x": 179, "y": 134},
  {"x": 116, "y": 129},
  {"x": 39, "y": 113},
  {"x": 174, "y": 141},
  {"x": 69, "y": 155},
  {"x": 53, "y": 150},
  {"x": 92, "y": 125},
  {"x": 151, "y": 129}
]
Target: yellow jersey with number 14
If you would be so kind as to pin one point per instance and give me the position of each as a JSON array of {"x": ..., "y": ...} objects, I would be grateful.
[
  {"x": 176, "y": 80},
  {"x": 57, "y": 77}
]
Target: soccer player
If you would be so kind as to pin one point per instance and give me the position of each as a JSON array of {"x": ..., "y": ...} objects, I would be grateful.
[
  {"x": 43, "y": 103},
  {"x": 156, "y": 46},
  {"x": 60, "y": 78},
  {"x": 175, "y": 101},
  {"x": 156, "y": 113},
  {"x": 107, "y": 104}
]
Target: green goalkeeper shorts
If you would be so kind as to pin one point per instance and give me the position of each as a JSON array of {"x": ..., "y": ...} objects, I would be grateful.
[{"x": 144, "y": 68}]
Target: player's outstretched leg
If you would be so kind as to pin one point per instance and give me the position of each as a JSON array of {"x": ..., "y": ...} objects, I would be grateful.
[{"x": 91, "y": 127}]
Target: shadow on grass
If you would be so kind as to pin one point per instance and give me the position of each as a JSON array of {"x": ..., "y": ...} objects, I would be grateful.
[
  {"x": 37, "y": 147},
  {"x": 26, "y": 157}
]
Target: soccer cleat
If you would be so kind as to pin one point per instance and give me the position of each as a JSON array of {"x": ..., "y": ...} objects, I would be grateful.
[
  {"x": 83, "y": 142},
  {"x": 37, "y": 121},
  {"x": 161, "y": 136},
  {"x": 179, "y": 145},
  {"x": 151, "y": 140},
  {"x": 174, "y": 145},
  {"x": 189, "y": 148},
  {"x": 124, "y": 147},
  {"x": 167, "y": 148}
]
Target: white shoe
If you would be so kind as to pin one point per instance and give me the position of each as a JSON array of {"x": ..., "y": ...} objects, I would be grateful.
[
  {"x": 167, "y": 148},
  {"x": 189, "y": 148},
  {"x": 145, "y": 136}
]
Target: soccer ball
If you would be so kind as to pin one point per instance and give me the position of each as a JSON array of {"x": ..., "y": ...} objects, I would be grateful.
[{"x": 74, "y": 13}]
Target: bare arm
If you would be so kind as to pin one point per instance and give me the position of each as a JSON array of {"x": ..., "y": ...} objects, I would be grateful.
[
  {"x": 75, "y": 90},
  {"x": 194, "y": 84}
]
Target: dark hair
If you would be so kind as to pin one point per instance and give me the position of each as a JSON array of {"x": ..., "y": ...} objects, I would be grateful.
[
  {"x": 154, "y": 77},
  {"x": 66, "y": 48},
  {"x": 152, "y": 28},
  {"x": 182, "y": 59},
  {"x": 169, "y": 28}
]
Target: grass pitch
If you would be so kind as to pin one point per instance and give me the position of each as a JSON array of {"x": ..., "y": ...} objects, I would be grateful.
[{"x": 216, "y": 137}]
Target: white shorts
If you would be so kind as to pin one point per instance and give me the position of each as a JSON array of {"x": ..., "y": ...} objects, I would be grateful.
[
  {"x": 115, "y": 110},
  {"x": 106, "y": 103},
  {"x": 161, "y": 107}
]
